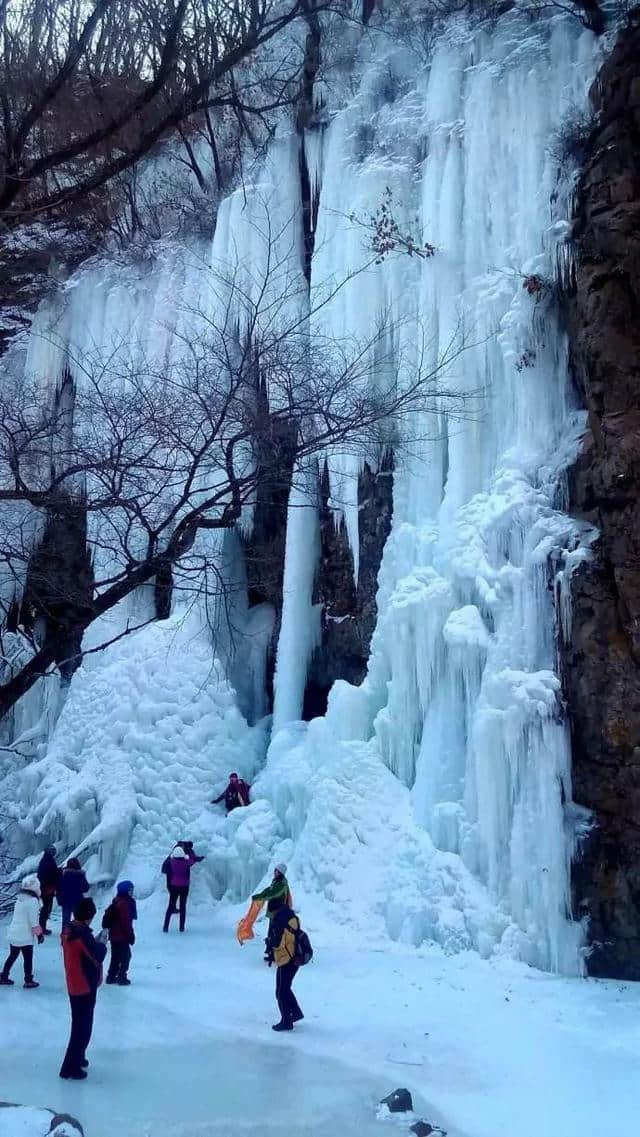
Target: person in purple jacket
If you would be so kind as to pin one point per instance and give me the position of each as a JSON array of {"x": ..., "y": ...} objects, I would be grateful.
[{"x": 177, "y": 869}]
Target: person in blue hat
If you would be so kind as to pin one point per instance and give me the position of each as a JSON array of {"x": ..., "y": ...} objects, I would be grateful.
[{"x": 118, "y": 920}]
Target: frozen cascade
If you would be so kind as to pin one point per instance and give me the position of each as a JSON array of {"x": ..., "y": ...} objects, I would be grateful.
[
  {"x": 433, "y": 802},
  {"x": 461, "y": 698}
]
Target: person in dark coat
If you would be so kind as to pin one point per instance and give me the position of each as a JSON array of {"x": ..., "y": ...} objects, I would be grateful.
[
  {"x": 177, "y": 869},
  {"x": 71, "y": 889},
  {"x": 83, "y": 956},
  {"x": 121, "y": 934},
  {"x": 49, "y": 875},
  {"x": 235, "y": 794},
  {"x": 281, "y": 947}
]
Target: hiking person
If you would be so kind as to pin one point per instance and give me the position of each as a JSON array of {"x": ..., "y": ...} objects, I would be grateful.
[
  {"x": 118, "y": 920},
  {"x": 49, "y": 875},
  {"x": 71, "y": 889},
  {"x": 23, "y": 930},
  {"x": 235, "y": 794},
  {"x": 278, "y": 892},
  {"x": 177, "y": 868},
  {"x": 281, "y": 950},
  {"x": 83, "y": 955}
]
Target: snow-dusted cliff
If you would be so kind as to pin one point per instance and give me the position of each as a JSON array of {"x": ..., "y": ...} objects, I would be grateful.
[{"x": 434, "y": 801}]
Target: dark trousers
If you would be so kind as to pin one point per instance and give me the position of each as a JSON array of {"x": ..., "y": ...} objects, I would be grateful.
[
  {"x": 82, "y": 1008},
  {"x": 177, "y": 896},
  {"x": 120, "y": 960},
  {"x": 289, "y": 1007},
  {"x": 45, "y": 911},
  {"x": 27, "y": 959}
]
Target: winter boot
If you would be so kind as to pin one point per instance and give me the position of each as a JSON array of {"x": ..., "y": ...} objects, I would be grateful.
[
  {"x": 297, "y": 1018},
  {"x": 124, "y": 982},
  {"x": 30, "y": 983},
  {"x": 5, "y": 981},
  {"x": 283, "y": 1026},
  {"x": 111, "y": 979},
  {"x": 76, "y": 1075},
  {"x": 84, "y": 1063}
]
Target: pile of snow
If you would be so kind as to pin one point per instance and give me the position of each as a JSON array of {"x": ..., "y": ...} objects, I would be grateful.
[{"x": 150, "y": 728}]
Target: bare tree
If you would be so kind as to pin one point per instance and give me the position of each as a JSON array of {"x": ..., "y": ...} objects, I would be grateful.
[
  {"x": 128, "y": 466},
  {"x": 90, "y": 88}
]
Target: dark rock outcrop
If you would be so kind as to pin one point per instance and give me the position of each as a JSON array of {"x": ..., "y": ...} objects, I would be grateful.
[
  {"x": 400, "y": 1101},
  {"x": 602, "y": 660},
  {"x": 349, "y": 608},
  {"x": 53, "y": 1124}
]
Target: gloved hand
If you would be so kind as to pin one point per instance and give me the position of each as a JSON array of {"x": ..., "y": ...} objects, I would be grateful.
[
  {"x": 41, "y": 938},
  {"x": 103, "y": 936}
]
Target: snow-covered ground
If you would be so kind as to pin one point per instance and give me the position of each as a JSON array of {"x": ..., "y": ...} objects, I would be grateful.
[{"x": 487, "y": 1049}]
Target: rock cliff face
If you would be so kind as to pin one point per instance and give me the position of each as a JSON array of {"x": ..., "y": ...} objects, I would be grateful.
[{"x": 602, "y": 659}]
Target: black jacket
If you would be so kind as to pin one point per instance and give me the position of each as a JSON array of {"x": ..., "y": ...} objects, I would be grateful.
[{"x": 48, "y": 873}]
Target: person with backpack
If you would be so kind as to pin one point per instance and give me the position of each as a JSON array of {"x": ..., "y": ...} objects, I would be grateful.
[
  {"x": 23, "y": 931},
  {"x": 118, "y": 921},
  {"x": 49, "y": 875},
  {"x": 71, "y": 889},
  {"x": 235, "y": 794},
  {"x": 289, "y": 948},
  {"x": 83, "y": 957},
  {"x": 177, "y": 869}
]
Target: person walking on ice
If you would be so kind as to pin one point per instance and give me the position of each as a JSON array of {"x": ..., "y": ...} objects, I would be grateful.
[
  {"x": 283, "y": 950},
  {"x": 83, "y": 957},
  {"x": 24, "y": 930},
  {"x": 118, "y": 920},
  {"x": 177, "y": 869}
]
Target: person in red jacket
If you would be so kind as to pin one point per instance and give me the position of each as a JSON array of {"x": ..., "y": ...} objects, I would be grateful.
[
  {"x": 118, "y": 919},
  {"x": 83, "y": 956}
]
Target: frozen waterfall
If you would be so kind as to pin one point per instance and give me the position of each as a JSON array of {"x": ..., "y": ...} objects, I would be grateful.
[
  {"x": 461, "y": 701},
  {"x": 433, "y": 802}
]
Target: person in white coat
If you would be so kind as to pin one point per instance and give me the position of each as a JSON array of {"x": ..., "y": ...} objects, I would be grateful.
[{"x": 24, "y": 929}]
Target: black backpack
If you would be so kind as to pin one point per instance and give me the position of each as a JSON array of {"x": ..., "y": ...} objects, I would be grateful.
[
  {"x": 303, "y": 952},
  {"x": 109, "y": 917}
]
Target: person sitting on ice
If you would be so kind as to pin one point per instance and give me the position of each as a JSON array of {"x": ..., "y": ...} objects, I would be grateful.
[
  {"x": 72, "y": 887},
  {"x": 118, "y": 920},
  {"x": 235, "y": 794},
  {"x": 23, "y": 931},
  {"x": 49, "y": 876},
  {"x": 177, "y": 869}
]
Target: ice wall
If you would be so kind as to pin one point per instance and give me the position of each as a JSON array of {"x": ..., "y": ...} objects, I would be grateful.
[{"x": 462, "y": 701}]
